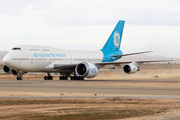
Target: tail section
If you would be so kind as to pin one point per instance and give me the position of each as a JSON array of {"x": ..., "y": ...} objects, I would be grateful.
[
  {"x": 112, "y": 46},
  {"x": 114, "y": 41}
]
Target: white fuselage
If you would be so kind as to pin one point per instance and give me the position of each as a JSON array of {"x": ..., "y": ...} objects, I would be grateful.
[{"x": 32, "y": 58}]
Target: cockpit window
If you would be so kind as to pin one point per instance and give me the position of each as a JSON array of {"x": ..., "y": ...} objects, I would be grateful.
[{"x": 16, "y": 48}]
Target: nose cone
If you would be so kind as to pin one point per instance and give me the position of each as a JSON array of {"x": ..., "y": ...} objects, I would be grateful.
[{"x": 6, "y": 60}]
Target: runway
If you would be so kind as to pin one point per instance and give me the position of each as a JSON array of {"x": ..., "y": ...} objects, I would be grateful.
[
  {"x": 56, "y": 98},
  {"x": 133, "y": 88}
]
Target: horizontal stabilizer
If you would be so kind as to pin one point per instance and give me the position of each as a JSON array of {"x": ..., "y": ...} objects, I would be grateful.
[{"x": 131, "y": 54}]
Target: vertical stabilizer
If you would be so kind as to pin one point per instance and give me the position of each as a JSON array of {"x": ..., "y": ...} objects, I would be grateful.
[{"x": 114, "y": 41}]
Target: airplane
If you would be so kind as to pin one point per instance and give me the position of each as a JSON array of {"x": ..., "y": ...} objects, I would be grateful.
[{"x": 76, "y": 64}]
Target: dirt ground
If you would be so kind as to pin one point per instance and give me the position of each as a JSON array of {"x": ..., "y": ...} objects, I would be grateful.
[
  {"x": 96, "y": 108},
  {"x": 88, "y": 109}
]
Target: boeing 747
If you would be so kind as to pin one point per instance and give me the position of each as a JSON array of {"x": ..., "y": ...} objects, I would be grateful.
[{"x": 75, "y": 64}]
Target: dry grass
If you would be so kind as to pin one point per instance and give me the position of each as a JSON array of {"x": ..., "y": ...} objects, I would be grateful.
[{"x": 83, "y": 109}]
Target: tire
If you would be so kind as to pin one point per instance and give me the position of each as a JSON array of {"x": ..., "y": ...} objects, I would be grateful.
[
  {"x": 21, "y": 78},
  {"x": 45, "y": 78},
  {"x": 61, "y": 77}
]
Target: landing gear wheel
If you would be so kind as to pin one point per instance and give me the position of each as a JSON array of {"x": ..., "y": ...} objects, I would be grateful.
[
  {"x": 76, "y": 78},
  {"x": 48, "y": 77},
  {"x": 19, "y": 78},
  {"x": 63, "y": 77}
]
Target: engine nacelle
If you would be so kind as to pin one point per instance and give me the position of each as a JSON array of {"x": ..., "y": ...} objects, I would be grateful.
[
  {"x": 6, "y": 69},
  {"x": 14, "y": 72},
  {"x": 86, "y": 69},
  {"x": 130, "y": 68}
]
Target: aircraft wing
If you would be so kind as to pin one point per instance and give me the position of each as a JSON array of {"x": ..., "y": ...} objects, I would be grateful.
[
  {"x": 72, "y": 66},
  {"x": 131, "y": 54},
  {"x": 64, "y": 66},
  {"x": 126, "y": 62}
]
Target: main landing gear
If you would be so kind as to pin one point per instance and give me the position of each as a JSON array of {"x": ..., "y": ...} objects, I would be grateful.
[
  {"x": 63, "y": 77},
  {"x": 49, "y": 77},
  {"x": 72, "y": 78},
  {"x": 76, "y": 78}
]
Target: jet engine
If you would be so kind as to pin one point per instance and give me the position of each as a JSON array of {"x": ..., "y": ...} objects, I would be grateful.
[
  {"x": 131, "y": 68},
  {"x": 86, "y": 69},
  {"x": 6, "y": 69},
  {"x": 14, "y": 72}
]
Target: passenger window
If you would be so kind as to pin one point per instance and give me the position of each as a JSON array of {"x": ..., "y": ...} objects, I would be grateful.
[{"x": 16, "y": 49}]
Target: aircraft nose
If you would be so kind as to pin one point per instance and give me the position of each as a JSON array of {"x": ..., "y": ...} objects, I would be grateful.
[{"x": 6, "y": 60}]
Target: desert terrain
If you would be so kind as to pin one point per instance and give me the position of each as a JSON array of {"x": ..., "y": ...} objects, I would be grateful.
[{"x": 150, "y": 94}]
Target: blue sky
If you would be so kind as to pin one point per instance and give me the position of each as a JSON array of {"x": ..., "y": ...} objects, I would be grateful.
[{"x": 86, "y": 24}]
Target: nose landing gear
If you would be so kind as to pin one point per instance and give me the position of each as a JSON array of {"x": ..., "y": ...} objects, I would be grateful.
[
  {"x": 19, "y": 75},
  {"x": 19, "y": 78}
]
